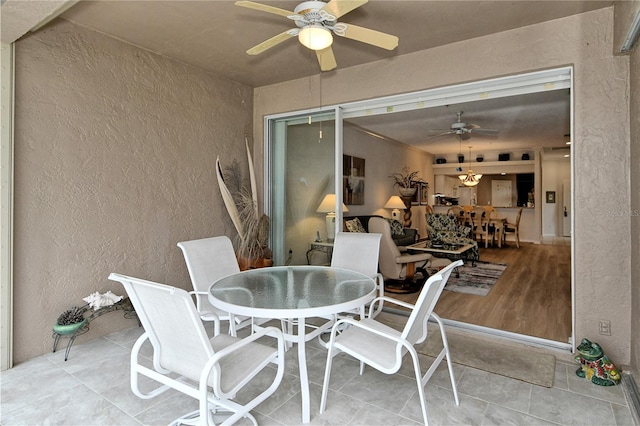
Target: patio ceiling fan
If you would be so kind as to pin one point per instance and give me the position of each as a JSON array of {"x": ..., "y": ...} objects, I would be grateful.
[
  {"x": 316, "y": 23},
  {"x": 463, "y": 130}
]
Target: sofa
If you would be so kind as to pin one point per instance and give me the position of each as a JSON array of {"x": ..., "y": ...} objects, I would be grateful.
[{"x": 401, "y": 236}]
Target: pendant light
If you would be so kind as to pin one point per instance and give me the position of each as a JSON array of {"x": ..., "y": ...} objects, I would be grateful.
[{"x": 470, "y": 179}]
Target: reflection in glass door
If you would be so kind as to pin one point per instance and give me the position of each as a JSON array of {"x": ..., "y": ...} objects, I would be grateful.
[{"x": 301, "y": 173}]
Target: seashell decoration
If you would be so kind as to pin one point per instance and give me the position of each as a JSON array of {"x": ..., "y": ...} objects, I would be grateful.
[{"x": 97, "y": 300}]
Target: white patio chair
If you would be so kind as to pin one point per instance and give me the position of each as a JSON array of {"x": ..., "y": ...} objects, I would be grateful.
[
  {"x": 359, "y": 252},
  {"x": 383, "y": 347},
  {"x": 210, "y": 370},
  {"x": 208, "y": 260}
]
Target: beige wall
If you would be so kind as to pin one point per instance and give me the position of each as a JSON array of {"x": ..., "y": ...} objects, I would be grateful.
[
  {"x": 585, "y": 41},
  {"x": 634, "y": 113},
  {"x": 114, "y": 164}
]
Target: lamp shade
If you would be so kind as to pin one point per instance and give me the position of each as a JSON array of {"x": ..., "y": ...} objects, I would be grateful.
[
  {"x": 315, "y": 37},
  {"x": 328, "y": 204},
  {"x": 395, "y": 202}
]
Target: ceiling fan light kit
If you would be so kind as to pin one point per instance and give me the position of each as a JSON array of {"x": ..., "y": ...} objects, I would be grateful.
[
  {"x": 315, "y": 37},
  {"x": 470, "y": 179}
]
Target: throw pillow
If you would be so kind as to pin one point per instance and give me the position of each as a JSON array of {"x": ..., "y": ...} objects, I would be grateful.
[
  {"x": 396, "y": 227},
  {"x": 354, "y": 225}
]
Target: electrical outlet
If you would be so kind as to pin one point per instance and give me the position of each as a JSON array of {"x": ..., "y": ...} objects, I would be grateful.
[{"x": 604, "y": 327}]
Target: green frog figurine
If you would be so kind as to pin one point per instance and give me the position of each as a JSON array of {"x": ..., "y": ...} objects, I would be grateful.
[{"x": 595, "y": 366}]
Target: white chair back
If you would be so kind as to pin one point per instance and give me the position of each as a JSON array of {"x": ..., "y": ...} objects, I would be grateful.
[
  {"x": 208, "y": 260},
  {"x": 357, "y": 251},
  {"x": 172, "y": 323},
  {"x": 415, "y": 330}
]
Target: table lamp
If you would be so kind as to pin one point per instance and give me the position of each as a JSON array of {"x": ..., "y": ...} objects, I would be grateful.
[
  {"x": 395, "y": 203},
  {"x": 328, "y": 206}
]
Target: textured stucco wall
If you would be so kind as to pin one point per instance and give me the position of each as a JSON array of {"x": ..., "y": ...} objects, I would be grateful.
[
  {"x": 115, "y": 150},
  {"x": 601, "y": 148},
  {"x": 634, "y": 113}
]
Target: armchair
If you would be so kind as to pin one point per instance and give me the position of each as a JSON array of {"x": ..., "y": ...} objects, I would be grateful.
[
  {"x": 444, "y": 229},
  {"x": 211, "y": 371},
  {"x": 383, "y": 348},
  {"x": 394, "y": 264}
]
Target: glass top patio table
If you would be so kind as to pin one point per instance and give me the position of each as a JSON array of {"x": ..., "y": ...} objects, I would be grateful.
[
  {"x": 298, "y": 292},
  {"x": 292, "y": 291}
]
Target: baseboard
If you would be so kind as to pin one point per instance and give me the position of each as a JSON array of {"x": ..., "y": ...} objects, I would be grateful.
[{"x": 632, "y": 394}]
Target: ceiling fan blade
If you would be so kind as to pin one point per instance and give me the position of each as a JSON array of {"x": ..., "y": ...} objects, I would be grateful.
[
  {"x": 264, "y": 8},
  {"x": 488, "y": 132},
  {"x": 326, "y": 59},
  {"x": 339, "y": 8},
  {"x": 267, "y": 44},
  {"x": 440, "y": 135},
  {"x": 366, "y": 35},
  {"x": 465, "y": 136}
]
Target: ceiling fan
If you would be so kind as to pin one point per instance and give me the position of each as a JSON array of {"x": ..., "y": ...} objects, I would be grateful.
[
  {"x": 464, "y": 130},
  {"x": 316, "y": 23}
]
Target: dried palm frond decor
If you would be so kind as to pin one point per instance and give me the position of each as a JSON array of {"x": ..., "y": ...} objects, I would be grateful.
[{"x": 242, "y": 204}]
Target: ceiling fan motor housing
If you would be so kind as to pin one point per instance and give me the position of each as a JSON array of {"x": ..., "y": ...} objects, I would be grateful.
[{"x": 311, "y": 12}]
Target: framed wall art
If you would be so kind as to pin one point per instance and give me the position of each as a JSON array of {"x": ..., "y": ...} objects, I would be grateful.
[
  {"x": 551, "y": 197},
  {"x": 353, "y": 180},
  {"x": 424, "y": 194}
]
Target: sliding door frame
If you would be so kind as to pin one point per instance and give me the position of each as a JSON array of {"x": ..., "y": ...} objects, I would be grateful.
[{"x": 538, "y": 81}]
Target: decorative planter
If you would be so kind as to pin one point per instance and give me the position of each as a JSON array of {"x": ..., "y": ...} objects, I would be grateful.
[
  {"x": 246, "y": 263},
  {"x": 407, "y": 192},
  {"x": 68, "y": 328}
]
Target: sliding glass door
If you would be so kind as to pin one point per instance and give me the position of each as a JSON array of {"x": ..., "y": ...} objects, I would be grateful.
[{"x": 301, "y": 162}]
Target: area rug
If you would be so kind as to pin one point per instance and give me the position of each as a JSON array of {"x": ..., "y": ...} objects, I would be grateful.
[
  {"x": 517, "y": 363},
  {"x": 478, "y": 280}
]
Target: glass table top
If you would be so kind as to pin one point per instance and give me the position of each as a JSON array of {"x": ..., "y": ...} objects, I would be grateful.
[{"x": 292, "y": 288}]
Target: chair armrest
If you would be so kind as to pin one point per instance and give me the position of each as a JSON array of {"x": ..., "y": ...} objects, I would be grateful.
[
  {"x": 229, "y": 350},
  {"x": 410, "y": 258},
  {"x": 387, "y": 299},
  {"x": 365, "y": 327}
]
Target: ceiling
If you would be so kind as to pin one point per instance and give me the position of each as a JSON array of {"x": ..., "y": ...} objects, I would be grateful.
[
  {"x": 214, "y": 35},
  {"x": 524, "y": 121}
]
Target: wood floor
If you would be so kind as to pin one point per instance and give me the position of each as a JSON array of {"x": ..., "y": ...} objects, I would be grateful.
[{"x": 532, "y": 297}]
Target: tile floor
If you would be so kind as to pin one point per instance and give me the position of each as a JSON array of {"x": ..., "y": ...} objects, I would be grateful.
[{"x": 92, "y": 388}]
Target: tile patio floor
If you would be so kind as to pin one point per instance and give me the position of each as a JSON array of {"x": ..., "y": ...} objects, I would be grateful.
[{"x": 92, "y": 388}]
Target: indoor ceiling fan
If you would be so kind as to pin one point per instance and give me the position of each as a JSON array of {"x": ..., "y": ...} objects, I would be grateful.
[
  {"x": 316, "y": 23},
  {"x": 464, "y": 130}
]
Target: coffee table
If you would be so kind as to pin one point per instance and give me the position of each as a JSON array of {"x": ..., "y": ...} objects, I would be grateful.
[{"x": 450, "y": 251}]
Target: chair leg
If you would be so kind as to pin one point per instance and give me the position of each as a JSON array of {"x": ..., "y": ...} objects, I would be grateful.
[
  {"x": 421, "y": 382},
  {"x": 445, "y": 343},
  {"x": 327, "y": 374}
]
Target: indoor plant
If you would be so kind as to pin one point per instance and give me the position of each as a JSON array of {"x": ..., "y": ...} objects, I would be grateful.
[
  {"x": 242, "y": 205},
  {"x": 406, "y": 181}
]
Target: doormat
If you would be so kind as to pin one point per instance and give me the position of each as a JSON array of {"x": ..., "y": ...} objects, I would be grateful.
[
  {"x": 516, "y": 363},
  {"x": 477, "y": 280}
]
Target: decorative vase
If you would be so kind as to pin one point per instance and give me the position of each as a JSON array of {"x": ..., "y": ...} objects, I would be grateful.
[
  {"x": 407, "y": 192},
  {"x": 68, "y": 328},
  {"x": 460, "y": 158}
]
